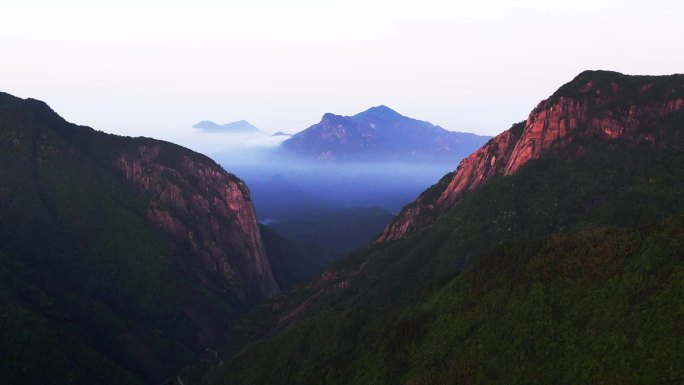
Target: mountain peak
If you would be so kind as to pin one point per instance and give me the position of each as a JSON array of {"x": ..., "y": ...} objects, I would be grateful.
[
  {"x": 330, "y": 115},
  {"x": 380, "y": 111},
  {"x": 599, "y": 84},
  {"x": 331, "y": 120},
  {"x": 380, "y": 133}
]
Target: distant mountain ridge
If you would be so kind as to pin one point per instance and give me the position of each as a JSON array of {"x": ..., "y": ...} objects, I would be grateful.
[
  {"x": 280, "y": 133},
  {"x": 380, "y": 133},
  {"x": 240, "y": 126}
]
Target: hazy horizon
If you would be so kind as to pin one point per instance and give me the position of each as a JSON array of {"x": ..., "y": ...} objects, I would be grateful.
[{"x": 149, "y": 68}]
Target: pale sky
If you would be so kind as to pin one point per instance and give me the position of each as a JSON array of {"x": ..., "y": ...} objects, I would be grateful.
[{"x": 155, "y": 68}]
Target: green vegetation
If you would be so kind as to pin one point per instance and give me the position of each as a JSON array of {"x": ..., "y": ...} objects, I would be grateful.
[
  {"x": 90, "y": 292},
  {"x": 623, "y": 91},
  {"x": 34, "y": 351},
  {"x": 292, "y": 262},
  {"x": 339, "y": 233},
  {"x": 569, "y": 271}
]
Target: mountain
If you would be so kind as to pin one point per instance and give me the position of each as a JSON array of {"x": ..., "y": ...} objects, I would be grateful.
[
  {"x": 380, "y": 133},
  {"x": 121, "y": 259},
  {"x": 561, "y": 265},
  {"x": 594, "y": 105},
  {"x": 241, "y": 126},
  {"x": 340, "y": 232},
  {"x": 280, "y": 133},
  {"x": 293, "y": 262},
  {"x": 205, "y": 211}
]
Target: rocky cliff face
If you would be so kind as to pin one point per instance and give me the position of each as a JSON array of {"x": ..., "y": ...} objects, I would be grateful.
[
  {"x": 595, "y": 105},
  {"x": 129, "y": 256},
  {"x": 206, "y": 211}
]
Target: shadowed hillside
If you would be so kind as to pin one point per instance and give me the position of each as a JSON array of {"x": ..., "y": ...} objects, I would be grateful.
[{"x": 566, "y": 268}]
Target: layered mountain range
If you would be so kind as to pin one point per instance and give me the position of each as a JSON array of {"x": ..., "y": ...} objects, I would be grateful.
[
  {"x": 337, "y": 184},
  {"x": 380, "y": 133},
  {"x": 551, "y": 255}
]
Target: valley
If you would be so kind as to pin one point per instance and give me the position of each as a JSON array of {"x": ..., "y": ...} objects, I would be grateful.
[
  {"x": 336, "y": 184},
  {"x": 556, "y": 266},
  {"x": 365, "y": 249},
  {"x": 341, "y": 192}
]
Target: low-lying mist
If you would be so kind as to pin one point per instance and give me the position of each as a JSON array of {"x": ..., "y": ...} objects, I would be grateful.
[
  {"x": 336, "y": 206},
  {"x": 278, "y": 181}
]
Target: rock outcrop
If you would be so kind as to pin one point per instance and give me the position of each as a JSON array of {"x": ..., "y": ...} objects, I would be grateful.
[
  {"x": 595, "y": 105},
  {"x": 121, "y": 259},
  {"x": 206, "y": 211}
]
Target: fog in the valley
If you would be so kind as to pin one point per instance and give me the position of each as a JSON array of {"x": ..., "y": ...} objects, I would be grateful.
[
  {"x": 335, "y": 206},
  {"x": 282, "y": 186}
]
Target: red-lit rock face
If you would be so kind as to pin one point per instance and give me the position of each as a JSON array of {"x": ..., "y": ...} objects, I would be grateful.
[
  {"x": 207, "y": 211},
  {"x": 607, "y": 111}
]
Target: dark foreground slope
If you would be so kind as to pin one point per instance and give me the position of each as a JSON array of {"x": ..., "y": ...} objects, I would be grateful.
[
  {"x": 121, "y": 259},
  {"x": 568, "y": 270}
]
